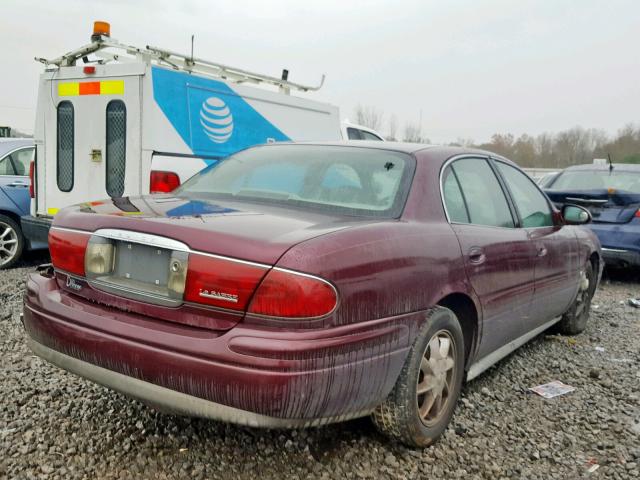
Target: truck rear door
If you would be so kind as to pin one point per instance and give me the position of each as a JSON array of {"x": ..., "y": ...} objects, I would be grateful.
[{"x": 93, "y": 139}]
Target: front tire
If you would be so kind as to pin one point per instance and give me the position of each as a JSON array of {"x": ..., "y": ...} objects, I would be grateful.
[
  {"x": 574, "y": 321},
  {"x": 422, "y": 402},
  {"x": 11, "y": 242}
]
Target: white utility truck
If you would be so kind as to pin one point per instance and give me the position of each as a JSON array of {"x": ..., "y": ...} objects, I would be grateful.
[{"x": 114, "y": 120}]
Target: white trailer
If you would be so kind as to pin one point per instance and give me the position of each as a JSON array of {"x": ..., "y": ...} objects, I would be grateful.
[{"x": 114, "y": 120}]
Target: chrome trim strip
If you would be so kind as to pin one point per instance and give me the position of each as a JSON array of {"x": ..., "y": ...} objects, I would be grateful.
[
  {"x": 162, "y": 242},
  {"x": 172, "y": 400},
  {"x": 614, "y": 250},
  {"x": 484, "y": 363}
]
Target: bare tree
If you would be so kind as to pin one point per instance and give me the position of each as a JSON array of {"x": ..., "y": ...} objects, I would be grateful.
[
  {"x": 393, "y": 128},
  {"x": 368, "y": 116},
  {"x": 413, "y": 133}
]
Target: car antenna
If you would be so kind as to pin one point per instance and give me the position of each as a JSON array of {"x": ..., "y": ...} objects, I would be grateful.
[{"x": 610, "y": 163}]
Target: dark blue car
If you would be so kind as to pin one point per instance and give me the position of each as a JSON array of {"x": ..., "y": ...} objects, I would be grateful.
[
  {"x": 612, "y": 195},
  {"x": 15, "y": 157}
]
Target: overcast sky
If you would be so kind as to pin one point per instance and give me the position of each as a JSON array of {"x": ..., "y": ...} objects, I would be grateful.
[{"x": 472, "y": 67}]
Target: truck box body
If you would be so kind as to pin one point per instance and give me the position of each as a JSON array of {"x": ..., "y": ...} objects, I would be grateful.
[{"x": 107, "y": 129}]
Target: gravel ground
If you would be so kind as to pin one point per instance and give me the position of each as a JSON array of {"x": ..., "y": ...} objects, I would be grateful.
[{"x": 55, "y": 425}]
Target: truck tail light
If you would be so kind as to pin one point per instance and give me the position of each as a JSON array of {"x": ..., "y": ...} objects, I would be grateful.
[
  {"x": 221, "y": 282},
  {"x": 32, "y": 168},
  {"x": 67, "y": 250},
  {"x": 293, "y": 295},
  {"x": 163, "y": 182}
]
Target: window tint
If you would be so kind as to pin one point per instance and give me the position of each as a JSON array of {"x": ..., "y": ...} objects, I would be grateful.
[
  {"x": 21, "y": 160},
  {"x": 116, "y": 147},
  {"x": 369, "y": 136},
  {"x": 485, "y": 199},
  {"x": 5, "y": 166},
  {"x": 65, "y": 152},
  {"x": 354, "y": 134},
  {"x": 531, "y": 203},
  {"x": 453, "y": 199}
]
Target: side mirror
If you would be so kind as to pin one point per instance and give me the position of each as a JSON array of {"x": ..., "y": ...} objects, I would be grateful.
[{"x": 575, "y": 215}]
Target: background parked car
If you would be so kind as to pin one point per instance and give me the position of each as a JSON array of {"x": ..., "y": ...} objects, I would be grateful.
[
  {"x": 15, "y": 159},
  {"x": 612, "y": 195}
]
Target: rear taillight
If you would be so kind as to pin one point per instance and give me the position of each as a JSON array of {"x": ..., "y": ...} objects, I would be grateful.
[
  {"x": 67, "y": 250},
  {"x": 163, "y": 182},
  {"x": 638, "y": 213},
  {"x": 220, "y": 282},
  {"x": 32, "y": 167},
  {"x": 293, "y": 295}
]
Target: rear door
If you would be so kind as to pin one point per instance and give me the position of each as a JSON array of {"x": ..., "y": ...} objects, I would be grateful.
[
  {"x": 93, "y": 140},
  {"x": 14, "y": 180},
  {"x": 499, "y": 258}
]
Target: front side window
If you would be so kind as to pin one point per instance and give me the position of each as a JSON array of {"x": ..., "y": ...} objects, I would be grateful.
[
  {"x": 65, "y": 153},
  {"x": 485, "y": 199},
  {"x": 116, "y": 147},
  {"x": 531, "y": 203},
  {"x": 354, "y": 134},
  {"x": 369, "y": 136},
  {"x": 348, "y": 180},
  {"x": 5, "y": 166}
]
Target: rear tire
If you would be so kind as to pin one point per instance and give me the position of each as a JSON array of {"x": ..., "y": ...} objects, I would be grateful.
[
  {"x": 574, "y": 321},
  {"x": 422, "y": 402},
  {"x": 11, "y": 242}
]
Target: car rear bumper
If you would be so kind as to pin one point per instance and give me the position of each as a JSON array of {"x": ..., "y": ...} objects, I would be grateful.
[
  {"x": 620, "y": 243},
  {"x": 36, "y": 230},
  {"x": 614, "y": 257},
  {"x": 247, "y": 375}
]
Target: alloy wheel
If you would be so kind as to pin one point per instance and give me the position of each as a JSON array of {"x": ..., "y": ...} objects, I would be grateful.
[
  {"x": 8, "y": 243},
  {"x": 436, "y": 378}
]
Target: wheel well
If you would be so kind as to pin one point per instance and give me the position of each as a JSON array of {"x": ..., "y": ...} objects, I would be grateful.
[
  {"x": 13, "y": 216},
  {"x": 465, "y": 310},
  {"x": 595, "y": 262}
]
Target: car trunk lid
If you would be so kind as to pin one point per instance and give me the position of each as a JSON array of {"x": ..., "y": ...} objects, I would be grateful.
[{"x": 606, "y": 206}]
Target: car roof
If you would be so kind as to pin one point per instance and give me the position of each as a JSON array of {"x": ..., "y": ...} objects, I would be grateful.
[
  {"x": 8, "y": 144},
  {"x": 625, "y": 167},
  {"x": 405, "y": 147}
]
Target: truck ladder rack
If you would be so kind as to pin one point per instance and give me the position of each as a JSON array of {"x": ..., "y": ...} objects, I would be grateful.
[{"x": 177, "y": 61}]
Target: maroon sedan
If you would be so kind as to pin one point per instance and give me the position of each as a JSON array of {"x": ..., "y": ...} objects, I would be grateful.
[{"x": 294, "y": 285}]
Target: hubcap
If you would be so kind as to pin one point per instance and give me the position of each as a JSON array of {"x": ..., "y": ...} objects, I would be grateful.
[
  {"x": 435, "y": 381},
  {"x": 8, "y": 243}
]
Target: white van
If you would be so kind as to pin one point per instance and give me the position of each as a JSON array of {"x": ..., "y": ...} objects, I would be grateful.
[{"x": 114, "y": 120}]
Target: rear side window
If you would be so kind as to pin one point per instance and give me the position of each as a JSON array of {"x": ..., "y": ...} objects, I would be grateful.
[
  {"x": 485, "y": 199},
  {"x": 531, "y": 203},
  {"x": 116, "y": 147},
  {"x": 5, "y": 166},
  {"x": 64, "y": 168},
  {"x": 453, "y": 199},
  {"x": 354, "y": 134},
  {"x": 21, "y": 160},
  {"x": 369, "y": 136}
]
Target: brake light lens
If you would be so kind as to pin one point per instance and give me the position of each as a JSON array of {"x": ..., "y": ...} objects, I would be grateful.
[
  {"x": 32, "y": 168},
  {"x": 163, "y": 182},
  {"x": 67, "y": 250},
  {"x": 638, "y": 213},
  {"x": 221, "y": 283},
  {"x": 292, "y": 295}
]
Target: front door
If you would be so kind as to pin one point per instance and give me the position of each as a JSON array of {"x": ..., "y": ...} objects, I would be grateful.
[
  {"x": 14, "y": 177},
  {"x": 556, "y": 264},
  {"x": 499, "y": 258}
]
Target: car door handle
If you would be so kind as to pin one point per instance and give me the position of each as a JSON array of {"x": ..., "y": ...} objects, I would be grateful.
[
  {"x": 476, "y": 255},
  {"x": 542, "y": 251},
  {"x": 17, "y": 184}
]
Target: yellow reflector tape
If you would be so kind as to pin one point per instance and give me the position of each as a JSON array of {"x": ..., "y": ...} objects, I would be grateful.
[
  {"x": 52, "y": 211},
  {"x": 106, "y": 87},
  {"x": 112, "y": 87},
  {"x": 68, "y": 89}
]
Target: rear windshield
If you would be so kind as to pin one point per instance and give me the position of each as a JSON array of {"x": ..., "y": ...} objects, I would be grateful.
[
  {"x": 347, "y": 180},
  {"x": 598, "y": 180}
]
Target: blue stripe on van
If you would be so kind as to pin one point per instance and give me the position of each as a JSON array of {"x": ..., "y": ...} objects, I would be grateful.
[{"x": 209, "y": 116}]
